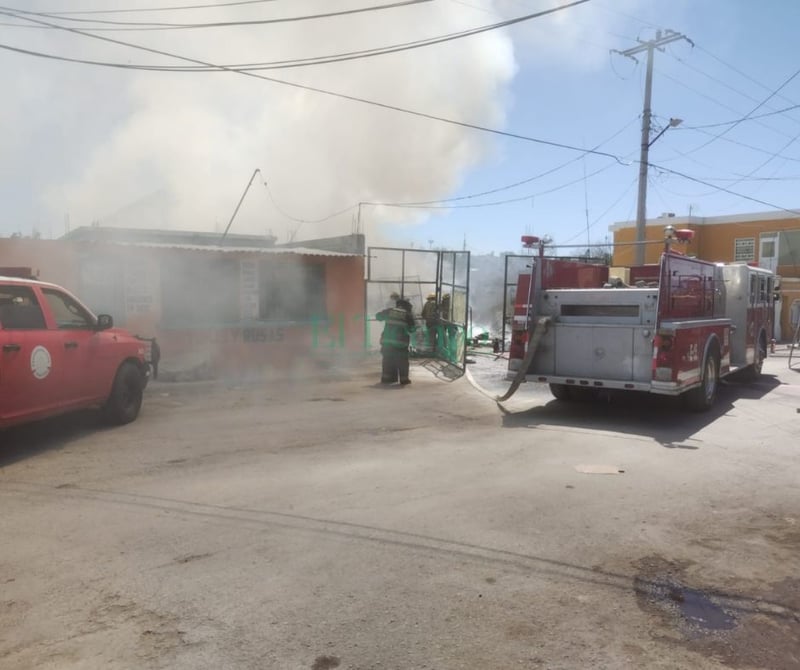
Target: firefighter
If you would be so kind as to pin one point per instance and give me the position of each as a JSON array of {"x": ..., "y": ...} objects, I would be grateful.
[
  {"x": 448, "y": 331},
  {"x": 395, "y": 339},
  {"x": 430, "y": 313}
]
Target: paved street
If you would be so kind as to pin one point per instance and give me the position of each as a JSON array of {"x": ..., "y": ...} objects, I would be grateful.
[{"x": 343, "y": 525}]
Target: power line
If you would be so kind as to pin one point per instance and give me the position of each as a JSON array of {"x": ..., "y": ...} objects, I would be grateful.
[
  {"x": 10, "y": 12},
  {"x": 718, "y": 102},
  {"x": 741, "y": 73},
  {"x": 161, "y": 9},
  {"x": 463, "y": 124},
  {"x": 751, "y": 118},
  {"x": 606, "y": 211},
  {"x": 526, "y": 180},
  {"x": 298, "y": 220},
  {"x": 724, "y": 84},
  {"x": 723, "y": 189},
  {"x": 730, "y": 140},
  {"x": 282, "y": 64},
  {"x": 495, "y": 203},
  {"x": 750, "y": 113},
  {"x": 137, "y": 25}
]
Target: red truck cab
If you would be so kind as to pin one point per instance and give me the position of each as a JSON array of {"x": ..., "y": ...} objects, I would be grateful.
[{"x": 56, "y": 356}]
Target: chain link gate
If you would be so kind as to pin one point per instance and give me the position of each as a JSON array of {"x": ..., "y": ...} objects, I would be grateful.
[{"x": 415, "y": 274}]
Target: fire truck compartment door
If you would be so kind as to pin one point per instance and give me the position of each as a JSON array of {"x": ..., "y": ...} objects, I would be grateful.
[{"x": 603, "y": 352}]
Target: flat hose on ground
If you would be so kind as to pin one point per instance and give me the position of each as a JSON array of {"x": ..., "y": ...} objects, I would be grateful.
[{"x": 533, "y": 345}]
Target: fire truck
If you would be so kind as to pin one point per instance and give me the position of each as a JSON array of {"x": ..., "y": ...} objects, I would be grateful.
[{"x": 675, "y": 328}]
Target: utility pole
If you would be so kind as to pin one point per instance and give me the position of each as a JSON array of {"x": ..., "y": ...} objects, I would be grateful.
[
  {"x": 641, "y": 209},
  {"x": 235, "y": 211}
]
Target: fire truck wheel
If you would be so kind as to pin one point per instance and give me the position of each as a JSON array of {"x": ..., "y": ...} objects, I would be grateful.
[
  {"x": 701, "y": 398},
  {"x": 125, "y": 400},
  {"x": 561, "y": 391}
]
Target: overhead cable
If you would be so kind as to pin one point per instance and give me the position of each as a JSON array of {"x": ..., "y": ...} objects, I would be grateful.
[
  {"x": 148, "y": 25},
  {"x": 751, "y": 118},
  {"x": 463, "y": 124},
  {"x": 528, "y": 179},
  {"x": 751, "y": 112},
  {"x": 406, "y": 205},
  {"x": 284, "y": 64},
  {"x": 133, "y": 10}
]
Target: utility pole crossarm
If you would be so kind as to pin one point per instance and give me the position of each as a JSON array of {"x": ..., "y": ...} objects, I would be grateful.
[{"x": 660, "y": 41}]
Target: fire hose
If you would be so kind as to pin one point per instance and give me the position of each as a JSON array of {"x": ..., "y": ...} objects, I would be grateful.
[{"x": 533, "y": 344}]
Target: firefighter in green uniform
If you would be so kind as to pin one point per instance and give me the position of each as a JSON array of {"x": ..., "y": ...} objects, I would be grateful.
[
  {"x": 430, "y": 314},
  {"x": 396, "y": 336}
]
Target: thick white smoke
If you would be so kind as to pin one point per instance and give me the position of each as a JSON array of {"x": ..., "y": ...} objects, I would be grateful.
[
  {"x": 156, "y": 149},
  {"x": 176, "y": 150}
]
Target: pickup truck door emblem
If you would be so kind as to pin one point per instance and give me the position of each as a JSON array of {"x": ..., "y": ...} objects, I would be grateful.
[{"x": 40, "y": 362}]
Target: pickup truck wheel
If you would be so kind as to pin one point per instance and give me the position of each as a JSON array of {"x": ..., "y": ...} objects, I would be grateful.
[
  {"x": 561, "y": 391},
  {"x": 125, "y": 400},
  {"x": 701, "y": 398}
]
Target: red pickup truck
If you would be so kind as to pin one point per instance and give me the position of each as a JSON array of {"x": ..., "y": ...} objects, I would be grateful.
[{"x": 56, "y": 357}]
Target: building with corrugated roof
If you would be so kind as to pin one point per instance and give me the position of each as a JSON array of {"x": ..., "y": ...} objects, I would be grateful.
[{"x": 218, "y": 307}]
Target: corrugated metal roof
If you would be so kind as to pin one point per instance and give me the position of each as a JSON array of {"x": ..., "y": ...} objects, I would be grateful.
[{"x": 295, "y": 251}]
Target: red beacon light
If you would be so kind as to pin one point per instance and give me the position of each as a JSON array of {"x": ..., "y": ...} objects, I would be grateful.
[
  {"x": 683, "y": 235},
  {"x": 529, "y": 241}
]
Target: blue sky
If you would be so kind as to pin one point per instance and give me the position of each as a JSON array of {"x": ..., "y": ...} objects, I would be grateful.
[
  {"x": 743, "y": 52},
  {"x": 175, "y": 150}
]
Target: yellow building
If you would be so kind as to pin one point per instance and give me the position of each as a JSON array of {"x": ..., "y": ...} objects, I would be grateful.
[{"x": 767, "y": 239}]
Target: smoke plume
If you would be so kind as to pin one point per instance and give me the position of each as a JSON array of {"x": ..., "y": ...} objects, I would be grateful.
[{"x": 176, "y": 150}]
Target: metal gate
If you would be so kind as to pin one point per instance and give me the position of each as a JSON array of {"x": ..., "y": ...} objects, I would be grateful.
[
  {"x": 515, "y": 265},
  {"x": 416, "y": 274}
]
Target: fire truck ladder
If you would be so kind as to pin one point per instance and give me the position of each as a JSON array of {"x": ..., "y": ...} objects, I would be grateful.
[{"x": 533, "y": 344}]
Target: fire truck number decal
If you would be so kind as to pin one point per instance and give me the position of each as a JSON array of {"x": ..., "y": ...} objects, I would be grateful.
[
  {"x": 40, "y": 362},
  {"x": 692, "y": 355}
]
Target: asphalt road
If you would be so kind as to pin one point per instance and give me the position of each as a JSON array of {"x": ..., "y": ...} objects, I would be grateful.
[{"x": 339, "y": 524}]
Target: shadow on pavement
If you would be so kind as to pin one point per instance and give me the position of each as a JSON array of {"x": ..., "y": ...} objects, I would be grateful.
[
  {"x": 54, "y": 434},
  {"x": 665, "y": 419}
]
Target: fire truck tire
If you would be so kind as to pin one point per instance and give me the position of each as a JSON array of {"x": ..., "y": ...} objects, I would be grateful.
[
  {"x": 701, "y": 398},
  {"x": 561, "y": 391},
  {"x": 125, "y": 400}
]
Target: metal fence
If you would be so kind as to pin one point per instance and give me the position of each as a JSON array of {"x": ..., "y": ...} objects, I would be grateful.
[{"x": 415, "y": 274}]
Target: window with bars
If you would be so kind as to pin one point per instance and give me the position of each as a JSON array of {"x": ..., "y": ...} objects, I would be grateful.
[{"x": 744, "y": 249}]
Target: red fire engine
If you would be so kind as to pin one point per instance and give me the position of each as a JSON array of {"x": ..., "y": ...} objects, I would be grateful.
[{"x": 675, "y": 328}]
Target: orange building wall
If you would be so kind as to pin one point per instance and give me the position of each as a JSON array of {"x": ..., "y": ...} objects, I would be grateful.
[
  {"x": 712, "y": 242},
  {"x": 716, "y": 243},
  {"x": 718, "y": 240}
]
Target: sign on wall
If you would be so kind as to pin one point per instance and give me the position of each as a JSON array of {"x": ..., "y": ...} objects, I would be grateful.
[
  {"x": 248, "y": 289},
  {"x": 141, "y": 281}
]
